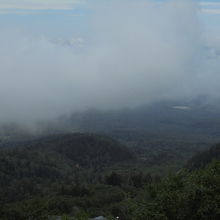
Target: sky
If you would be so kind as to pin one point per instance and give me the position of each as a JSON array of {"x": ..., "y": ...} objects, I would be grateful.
[
  {"x": 61, "y": 56},
  {"x": 65, "y": 18}
]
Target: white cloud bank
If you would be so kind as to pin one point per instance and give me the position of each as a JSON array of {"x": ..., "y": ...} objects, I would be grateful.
[
  {"x": 211, "y": 11},
  {"x": 137, "y": 53},
  {"x": 215, "y": 4},
  {"x": 212, "y": 8}
]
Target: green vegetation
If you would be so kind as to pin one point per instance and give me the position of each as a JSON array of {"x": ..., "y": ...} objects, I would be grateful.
[
  {"x": 203, "y": 158},
  {"x": 87, "y": 175},
  {"x": 183, "y": 196}
]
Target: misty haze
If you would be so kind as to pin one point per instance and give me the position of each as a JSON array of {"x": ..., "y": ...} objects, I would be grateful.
[
  {"x": 109, "y": 109},
  {"x": 128, "y": 57}
]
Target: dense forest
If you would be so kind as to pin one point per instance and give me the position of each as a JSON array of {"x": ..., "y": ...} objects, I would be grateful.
[
  {"x": 156, "y": 163},
  {"x": 87, "y": 175}
]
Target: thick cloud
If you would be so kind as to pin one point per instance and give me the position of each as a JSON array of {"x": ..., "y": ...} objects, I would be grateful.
[{"x": 137, "y": 52}]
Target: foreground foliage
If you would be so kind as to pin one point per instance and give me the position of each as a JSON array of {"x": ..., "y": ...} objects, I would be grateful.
[
  {"x": 73, "y": 175},
  {"x": 183, "y": 196}
]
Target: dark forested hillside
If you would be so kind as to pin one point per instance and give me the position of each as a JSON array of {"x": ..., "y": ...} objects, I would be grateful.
[
  {"x": 203, "y": 158},
  {"x": 184, "y": 196},
  {"x": 87, "y": 175},
  {"x": 59, "y": 155},
  {"x": 132, "y": 168},
  {"x": 54, "y": 165}
]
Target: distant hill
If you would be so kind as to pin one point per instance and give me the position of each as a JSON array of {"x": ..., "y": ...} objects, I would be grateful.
[
  {"x": 80, "y": 147},
  {"x": 59, "y": 157},
  {"x": 198, "y": 119},
  {"x": 202, "y": 159},
  {"x": 192, "y": 118}
]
